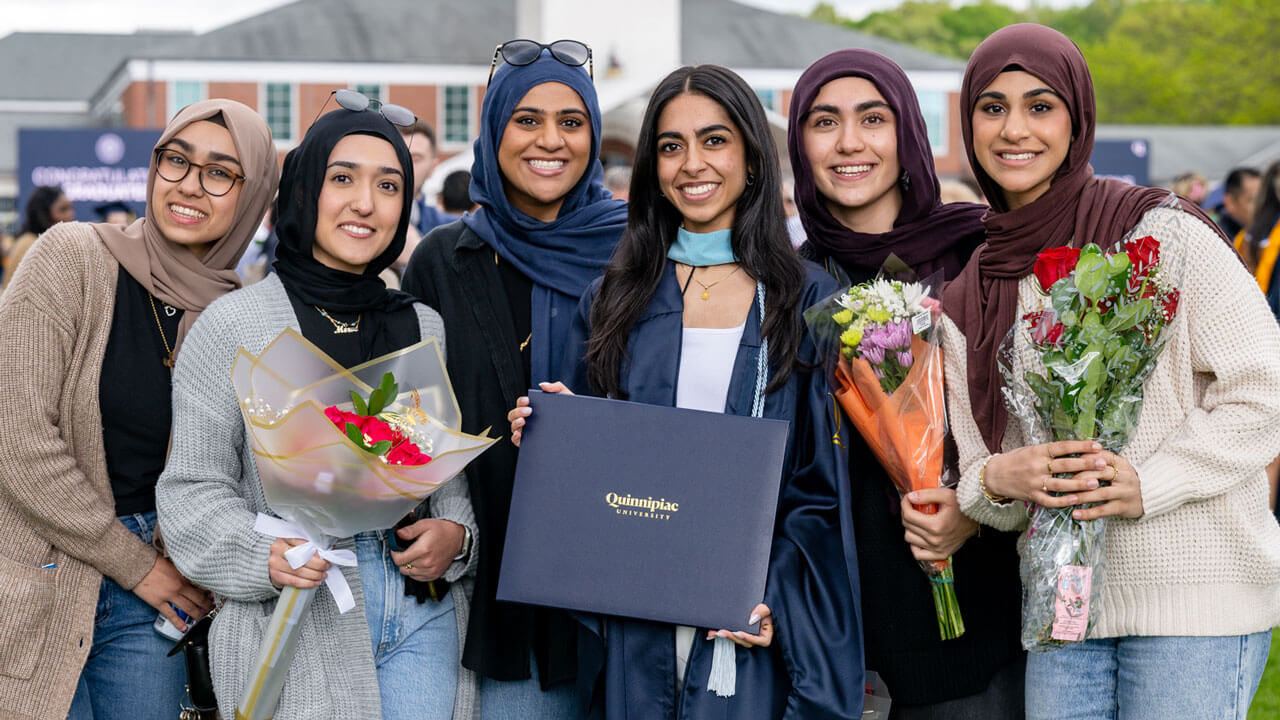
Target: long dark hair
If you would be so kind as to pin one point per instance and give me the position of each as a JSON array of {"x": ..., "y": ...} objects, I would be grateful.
[
  {"x": 1266, "y": 212},
  {"x": 759, "y": 237},
  {"x": 39, "y": 212}
]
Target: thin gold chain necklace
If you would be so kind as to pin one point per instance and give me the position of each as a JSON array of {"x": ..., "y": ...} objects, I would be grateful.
[
  {"x": 524, "y": 344},
  {"x": 706, "y": 288},
  {"x": 339, "y": 327},
  {"x": 168, "y": 352}
]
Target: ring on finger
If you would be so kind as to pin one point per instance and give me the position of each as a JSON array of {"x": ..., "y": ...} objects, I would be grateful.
[
  {"x": 407, "y": 566},
  {"x": 1044, "y": 486},
  {"x": 1049, "y": 466},
  {"x": 1115, "y": 472}
]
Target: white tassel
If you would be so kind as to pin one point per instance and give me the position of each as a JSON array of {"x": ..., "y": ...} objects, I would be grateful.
[{"x": 724, "y": 668}]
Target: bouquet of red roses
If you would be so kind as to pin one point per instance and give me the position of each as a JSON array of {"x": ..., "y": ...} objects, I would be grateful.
[
  {"x": 330, "y": 472},
  {"x": 1075, "y": 371}
]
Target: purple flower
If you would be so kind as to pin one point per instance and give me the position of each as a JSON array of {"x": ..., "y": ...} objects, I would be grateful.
[
  {"x": 879, "y": 373},
  {"x": 905, "y": 359},
  {"x": 900, "y": 335},
  {"x": 872, "y": 353}
]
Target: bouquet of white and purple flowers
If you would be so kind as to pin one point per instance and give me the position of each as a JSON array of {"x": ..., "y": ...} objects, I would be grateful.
[{"x": 888, "y": 379}]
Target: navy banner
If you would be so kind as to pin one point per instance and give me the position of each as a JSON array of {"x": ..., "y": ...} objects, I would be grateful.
[{"x": 93, "y": 166}]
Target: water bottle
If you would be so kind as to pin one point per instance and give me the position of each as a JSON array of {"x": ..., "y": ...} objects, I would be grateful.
[{"x": 166, "y": 628}]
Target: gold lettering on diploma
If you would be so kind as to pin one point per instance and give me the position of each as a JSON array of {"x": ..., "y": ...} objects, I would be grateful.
[{"x": 641, "y": 507}]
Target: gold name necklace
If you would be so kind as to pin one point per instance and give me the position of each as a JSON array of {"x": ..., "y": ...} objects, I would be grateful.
[{"x": 339, "y": 327}]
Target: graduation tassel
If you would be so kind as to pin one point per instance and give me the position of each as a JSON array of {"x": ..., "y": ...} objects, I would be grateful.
[{"x": 724, "y": 668}]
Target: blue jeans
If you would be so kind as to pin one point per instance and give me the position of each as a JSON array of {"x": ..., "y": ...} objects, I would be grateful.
[
  {"x": 415, "y": 645},
  {"x": 1140, "y": 678},
  {"x": 526, "y": 700},
  {"x": 128, "y": 675}
]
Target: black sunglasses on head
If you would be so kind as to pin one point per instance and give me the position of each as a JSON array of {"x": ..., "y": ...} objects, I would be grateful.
[
  {"x": 524, "y": 52},
  {"x": 397, "y": 115}
]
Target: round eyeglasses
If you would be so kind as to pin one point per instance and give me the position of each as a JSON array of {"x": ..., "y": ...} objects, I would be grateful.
[
  {"x": 523, "y": 52},
  {"x": 215, "y": 179}
]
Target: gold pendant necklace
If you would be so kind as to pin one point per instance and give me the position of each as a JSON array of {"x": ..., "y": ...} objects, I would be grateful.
[
  {"x": 706, "y": 289},
  {"x": 339, "y": 327},
  {"x": 168, "y": 352}
]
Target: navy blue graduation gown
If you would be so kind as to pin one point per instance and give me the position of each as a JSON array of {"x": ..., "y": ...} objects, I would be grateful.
[{"x": 814, "y": 668}]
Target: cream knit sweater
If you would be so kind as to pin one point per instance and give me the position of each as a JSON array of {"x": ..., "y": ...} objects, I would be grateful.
[{"x": 1205, "y": 557}]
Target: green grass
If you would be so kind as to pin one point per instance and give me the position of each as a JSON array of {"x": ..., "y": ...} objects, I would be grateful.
[{"x": 1266, "y": 703}]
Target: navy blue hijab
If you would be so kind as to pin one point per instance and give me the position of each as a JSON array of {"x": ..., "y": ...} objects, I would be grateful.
[{"x": 563, "y": 256}]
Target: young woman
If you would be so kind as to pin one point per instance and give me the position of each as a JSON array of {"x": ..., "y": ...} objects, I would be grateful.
[
  {"x": 506, "y": 279},
  {"x": 1193, "y": 578},
  {"x": 94, "y": 317},
  {"x": 704, "y": 291},
  {"x": 866, "y": 189},
  {"x": 46, "y": 207},
  {"x": 345, "y": 195}
]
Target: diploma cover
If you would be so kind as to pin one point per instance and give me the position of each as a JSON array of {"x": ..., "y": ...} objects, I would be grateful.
[{"x": 643, "y": 511}]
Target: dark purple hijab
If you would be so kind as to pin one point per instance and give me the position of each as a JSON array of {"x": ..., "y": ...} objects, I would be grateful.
[
  {"x": 927, "y": 235},
  {"x": 1077, "y": 209}
]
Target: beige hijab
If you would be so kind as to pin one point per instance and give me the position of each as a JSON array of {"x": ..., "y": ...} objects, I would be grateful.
[{"x": 170, "y": 271}]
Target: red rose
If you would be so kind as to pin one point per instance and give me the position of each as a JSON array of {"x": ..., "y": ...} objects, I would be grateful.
[
  {"x": 340, "y": 418},
  {"x": 406, "y": 453},
  {"x": 1045, "y": 328},
  {"x": 1170, "y": 305},
  {"x": 1054, "y": 264},
  {"x": 1144, "y": 254},
  {"x": 375, "y": 431}
]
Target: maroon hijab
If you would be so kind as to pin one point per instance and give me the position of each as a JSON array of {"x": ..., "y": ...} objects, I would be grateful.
[
  {"x": 1077, "y": 209},
  {"x": 927, "y": 235}
]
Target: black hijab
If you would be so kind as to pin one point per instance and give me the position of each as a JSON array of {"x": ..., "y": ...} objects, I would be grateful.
[{"x": 313, "y": 283}]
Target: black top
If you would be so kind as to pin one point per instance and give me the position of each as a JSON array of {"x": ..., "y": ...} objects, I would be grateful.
[
  {"x": 519, "y": 291},
  {"x": 900, "y": 625},
  {"x": 452, "y": 270},
  {"x": 399, "y": 329},
  {"x": 134, "y": 392}
]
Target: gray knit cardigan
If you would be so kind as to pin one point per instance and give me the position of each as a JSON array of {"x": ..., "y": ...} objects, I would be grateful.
[{"x": 207, "y": 500}]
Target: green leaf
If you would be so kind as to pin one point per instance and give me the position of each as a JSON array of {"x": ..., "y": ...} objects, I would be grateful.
[
  {"x": 1092, "y": 275},
  {"x": 382, "y": 447},
  {"x": 358, "y": 403},
  {"x": 1065, "y": 300},
  {"x": 377, "y": 401},
  {"x": 1129, "y": 315},
  {"x": 355, "y": 435},
  {"x": 1118, "y": 265}
]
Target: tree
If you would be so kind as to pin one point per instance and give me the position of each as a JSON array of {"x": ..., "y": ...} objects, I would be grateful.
[{"x": 1153, "y": 61}]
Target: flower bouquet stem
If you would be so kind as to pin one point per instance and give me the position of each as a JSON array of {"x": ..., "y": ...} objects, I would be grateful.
[
  {"x": 262, "y": 692},
  {"x": 942, "y": 583}
]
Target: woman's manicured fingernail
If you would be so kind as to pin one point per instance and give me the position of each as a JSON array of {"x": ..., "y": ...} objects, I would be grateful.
[
  {"x": 1077, "y": 514},
  {"x": 913, "y": 497},
  {"x": 755, "y": 618},
  {"x": 1096, "y": 446},
  {"x": 1092, "y": 484}
]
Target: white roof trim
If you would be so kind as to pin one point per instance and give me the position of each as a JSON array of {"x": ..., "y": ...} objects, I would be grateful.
[
  {"x": 261, "y": 71},
  {"x": 44, "y": 106},
  {"x": 943, "y": 80}
]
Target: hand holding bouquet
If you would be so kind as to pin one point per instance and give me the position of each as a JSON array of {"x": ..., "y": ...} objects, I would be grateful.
[
  {"x": 888, "y": 379},
  {"x": 1075, "y": 371}
]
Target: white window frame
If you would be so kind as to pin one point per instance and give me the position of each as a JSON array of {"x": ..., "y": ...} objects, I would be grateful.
[
  {"x": 171, "y": 96},
  {"x": 944, "y": 148},
  {"x": 443, "y": 142},
  {"x": 293, "y": 110}
]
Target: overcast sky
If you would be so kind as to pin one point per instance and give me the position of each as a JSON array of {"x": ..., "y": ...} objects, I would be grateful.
[{"x": 128, "y": 15}]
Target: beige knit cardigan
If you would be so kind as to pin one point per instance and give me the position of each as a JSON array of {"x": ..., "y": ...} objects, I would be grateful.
[
  {"x": 57, "y": 507},
  {"x": 1204, "y": 559}
]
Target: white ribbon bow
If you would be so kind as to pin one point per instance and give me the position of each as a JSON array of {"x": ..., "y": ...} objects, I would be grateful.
[{"x": 300, "y": 554}]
